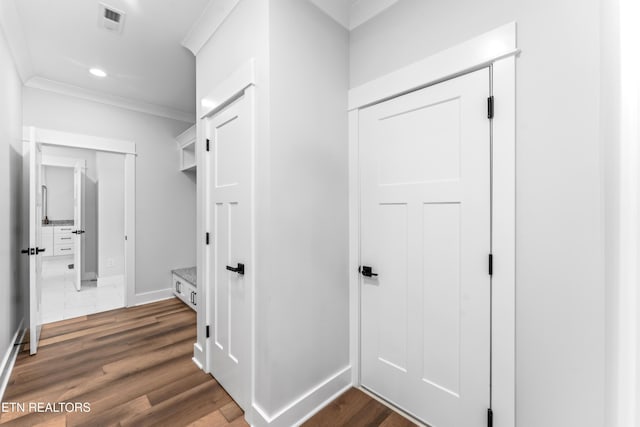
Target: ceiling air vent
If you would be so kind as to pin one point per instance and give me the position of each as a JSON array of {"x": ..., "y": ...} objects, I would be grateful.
[{"x": 110, "y": 18}]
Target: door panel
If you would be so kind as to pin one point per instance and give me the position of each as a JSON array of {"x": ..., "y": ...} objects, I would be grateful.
[
  {"x": 425, "y": 230},
  {"x": 229, "y": 182}
]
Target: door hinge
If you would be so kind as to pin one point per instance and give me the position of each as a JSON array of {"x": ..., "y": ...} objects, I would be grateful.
[
  {"x": 490, "y": 264},
  {"x": 208, "y": 144},
  {"x": 490, "y": 107},
  {"x": 207, "y": 331},
  {"x": 206, "y": 238},
  {"x": 489, "y": 417}
]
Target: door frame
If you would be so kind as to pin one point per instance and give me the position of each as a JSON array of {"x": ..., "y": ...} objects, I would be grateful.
[
  {"x": 128, "y": 148},
  {"x": 496, "y": 49}
]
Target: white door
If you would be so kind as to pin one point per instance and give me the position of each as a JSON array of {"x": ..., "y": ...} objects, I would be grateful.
[
  {"x": 78, "y": 175},
  {"x": 425, "y": 232},
  {"x": 229, "y": 175},
  {"x": 32, "y": 166}
]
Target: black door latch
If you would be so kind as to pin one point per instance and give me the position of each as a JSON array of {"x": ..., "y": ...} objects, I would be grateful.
[
  {"x": 239, "y": 269},
  {"x": 367, "y": 271}
]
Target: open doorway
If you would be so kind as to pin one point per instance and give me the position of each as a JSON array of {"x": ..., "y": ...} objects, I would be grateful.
[{"x": 82, "y": 229}]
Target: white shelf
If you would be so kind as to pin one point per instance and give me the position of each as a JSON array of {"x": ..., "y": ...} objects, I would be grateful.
[{"x": 187, "y": 148}]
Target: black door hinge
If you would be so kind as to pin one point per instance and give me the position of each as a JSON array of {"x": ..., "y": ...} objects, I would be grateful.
[
  {"x": 207, "y": 331},
  {"x": 490, "y": 264},
  {"x": 490, "y": 107},
  {"x": 208, "y": 144},
  {"x": 489, "y": 417},
  {"x": 206, "y": 238}
]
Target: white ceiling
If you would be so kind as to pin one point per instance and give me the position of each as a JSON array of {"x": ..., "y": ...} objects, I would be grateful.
[
  {"x": 146, "y": 64},
  {"x": 352, "y": 13}
]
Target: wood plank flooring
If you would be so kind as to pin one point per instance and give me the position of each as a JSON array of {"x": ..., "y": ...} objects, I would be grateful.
[{"x": 133, "y": 366}]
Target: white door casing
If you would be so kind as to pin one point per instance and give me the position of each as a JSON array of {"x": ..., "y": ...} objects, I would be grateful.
[
  {"x": 32, "y": 163},
  {"x": 78, "y": 177},
  {"x": 425, "y": 230},
  {"x": 229, "y": 204}
]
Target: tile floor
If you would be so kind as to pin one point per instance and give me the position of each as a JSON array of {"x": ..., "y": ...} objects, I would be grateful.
[{"x": 61, "y": 300}]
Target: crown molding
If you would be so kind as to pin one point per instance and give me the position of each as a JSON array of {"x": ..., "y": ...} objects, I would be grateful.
[
  {"x": 116, "y": 101},
  {"x": 208, "y": 23},
  {"x": 10, "y": 23}
]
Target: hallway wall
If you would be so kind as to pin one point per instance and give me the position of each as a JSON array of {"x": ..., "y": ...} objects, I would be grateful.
[
  {"x": 12, "y": 263},
  {"x": 559, "y": 255},
  {"x": 165, "y": 197}
]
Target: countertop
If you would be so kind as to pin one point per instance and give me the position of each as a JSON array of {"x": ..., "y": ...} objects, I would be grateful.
[
  {"x": 58, "y": 222},
  {"x": 189, "y": 274}
]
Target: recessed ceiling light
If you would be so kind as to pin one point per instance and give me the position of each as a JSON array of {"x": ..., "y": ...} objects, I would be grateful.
[{"x": 98, "y": 72}]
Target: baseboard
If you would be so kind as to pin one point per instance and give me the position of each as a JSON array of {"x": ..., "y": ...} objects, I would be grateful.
[
  {"x": 111, "y": 281},
  {"x": 153, "y": 296},
  {"x": 10, "y": 359},
  {"x": 198, "y": 356},
  {"x": 306, "y": 405}
]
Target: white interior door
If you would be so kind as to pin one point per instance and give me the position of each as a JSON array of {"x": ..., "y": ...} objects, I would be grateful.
[
  {"x": 32, "y": 165},
  {"x": 78, "y": 176},
  {"x": 229, "y": 175},
  {"x": 425, "y": 232}
]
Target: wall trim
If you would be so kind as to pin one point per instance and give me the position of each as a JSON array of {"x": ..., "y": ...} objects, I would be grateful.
[
  {"x": 42, "y": 83},
  {"x": 496, "y": 49},
  {"x": 153, "y": 296},
  {"x": 308, "y": 404},
  {"x": 76, "y": 140},
  {"x": 198, "y": 357},
  {"x": 228, "y": 90},
  {"x": 208, "y": 23},
  {"x": 468, "y": 56},
  {"x": 10, "y": 358}
]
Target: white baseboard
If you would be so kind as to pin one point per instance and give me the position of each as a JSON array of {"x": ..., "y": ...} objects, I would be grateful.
[
  {"x": 153, "y": 296},
  {"x": 111, "y": 281},
  {"x": 306, "y": 405},
  {"x": 10, "y": 359},
  {"x": 198, "y": 356}
]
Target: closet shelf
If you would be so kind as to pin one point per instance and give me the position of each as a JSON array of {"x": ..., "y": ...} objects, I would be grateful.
[{"x": 187, "y": 148}]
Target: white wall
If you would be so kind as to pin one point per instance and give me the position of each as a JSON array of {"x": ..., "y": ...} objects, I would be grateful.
[
  {"x": 59, "y": 182},
  {"x": 110, "y": 169},
  {"x": 165, "y": 197},
  {"x": 89, "y": 202},
  {"x": 304, "y": 330},
  {"x": 559, "y": 237},
  {"x": 12, "y": 264}
]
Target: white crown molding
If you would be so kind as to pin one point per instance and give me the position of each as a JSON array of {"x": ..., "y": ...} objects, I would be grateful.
[
  {"x": 364, "y": 10},
  {"x": 10, "y": 23},
  {"x": 208, "y": 23},
  {"x": 116, "y": 101}
]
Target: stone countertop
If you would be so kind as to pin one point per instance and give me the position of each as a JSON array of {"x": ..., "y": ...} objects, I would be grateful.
[
  {"x": 58, "y": 222},
  {"x": 188, "y": 274}
]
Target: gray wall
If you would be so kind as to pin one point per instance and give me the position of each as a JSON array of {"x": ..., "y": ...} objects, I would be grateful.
[
  {"x": 12, "y": 263},
  {"x": 559, "y": 261},
  {"x": 110, "y": 168},
  {"x": 165, "y": 197},
  {"x": 59, "y": 182}
]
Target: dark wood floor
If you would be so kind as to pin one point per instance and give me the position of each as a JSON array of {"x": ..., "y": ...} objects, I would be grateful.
[{"x": 133, "y": 366}]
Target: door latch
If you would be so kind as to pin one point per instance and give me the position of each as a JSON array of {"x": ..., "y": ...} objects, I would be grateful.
[
  {"x": 367, "y": 271},
  {"x": 239, "y": 269}
]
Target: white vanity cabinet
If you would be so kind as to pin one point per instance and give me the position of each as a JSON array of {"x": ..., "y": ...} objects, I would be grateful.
[{"x": 58, "y": 240}]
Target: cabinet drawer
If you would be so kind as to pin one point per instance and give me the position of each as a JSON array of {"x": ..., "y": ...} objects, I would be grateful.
[
  {"x": 63, "y": 250},
  {"x": 64, "y": 239},
  {"x": 63, "y": 229},
  {"x": 185, "y": 291}
]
